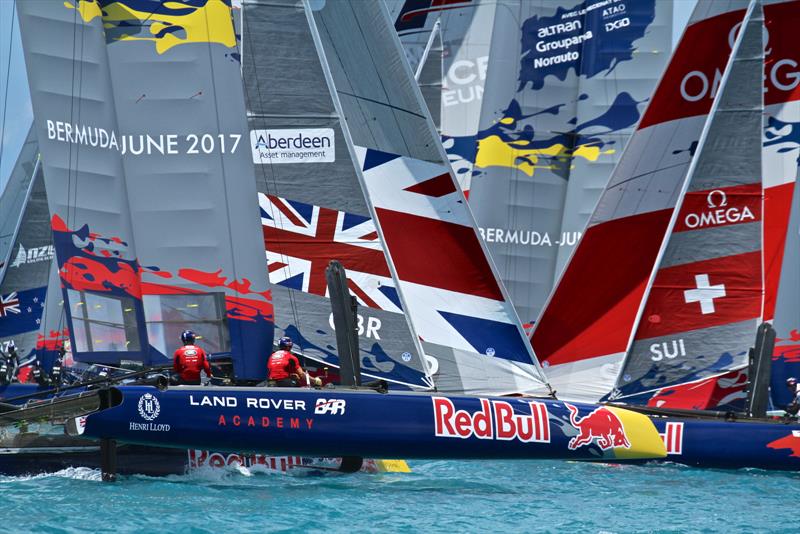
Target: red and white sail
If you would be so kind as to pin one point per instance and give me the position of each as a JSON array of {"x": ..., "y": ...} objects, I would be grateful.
[
  {"x": 781, "y": 196},
  {"x": 585, "y": 330},
  {"x": 701, "y": 311}
]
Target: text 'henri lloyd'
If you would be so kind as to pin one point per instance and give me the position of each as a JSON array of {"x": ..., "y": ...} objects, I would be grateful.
[{"x": 496, "y": 420}]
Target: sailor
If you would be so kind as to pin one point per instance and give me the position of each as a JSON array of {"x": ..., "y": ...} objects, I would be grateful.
[
  {"x": 284, "y": 367},
  {"x": 794, "y": 406},
  {"x": 190, "y": 360}
]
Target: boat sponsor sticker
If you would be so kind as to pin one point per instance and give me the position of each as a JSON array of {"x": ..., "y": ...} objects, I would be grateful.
[
  {"x": 601, "y": 426},
  {"x": 496, "y": 420},
  {"x": 673, "y": 438},
  {"x": 330, "y": 406},
  {"x": 307, "y": 145},
  {"x": 25, "y": 256},
  {"x": 149, "y": 409}
]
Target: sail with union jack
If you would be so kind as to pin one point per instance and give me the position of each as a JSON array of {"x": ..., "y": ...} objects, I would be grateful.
[{"x": 312, "y": 207}]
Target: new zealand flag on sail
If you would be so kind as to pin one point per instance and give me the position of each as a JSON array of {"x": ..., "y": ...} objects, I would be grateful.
[{"x": 21, "y": 311}]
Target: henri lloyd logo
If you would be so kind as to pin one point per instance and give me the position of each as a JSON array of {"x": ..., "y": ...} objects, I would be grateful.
[
  {"x": 310, "y": 145},
  {"x": 149, "y": 409},
  {"x": 32, "y": 255}
]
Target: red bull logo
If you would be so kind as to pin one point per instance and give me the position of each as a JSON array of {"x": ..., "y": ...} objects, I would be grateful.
[
  {"x": 601, "y": 425},
  {"x": 495, "y": 420}
]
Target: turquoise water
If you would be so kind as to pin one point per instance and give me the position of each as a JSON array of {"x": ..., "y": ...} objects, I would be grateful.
[{"x": 438, "y": 496}]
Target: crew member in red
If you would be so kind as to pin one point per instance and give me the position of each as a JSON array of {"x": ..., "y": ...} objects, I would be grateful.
[
  {"x": 284, "y": 367},
  {"x": 190, "y": 359}
]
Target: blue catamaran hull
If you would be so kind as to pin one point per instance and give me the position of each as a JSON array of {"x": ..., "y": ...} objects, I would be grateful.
[
  {"x": 731, "y": 444},
  {"x": 347, "y": 423}
]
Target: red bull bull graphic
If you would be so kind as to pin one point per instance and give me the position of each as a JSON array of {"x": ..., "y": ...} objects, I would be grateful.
[
  {"x": 166, "y": 24},
  {"x": 601, "y": 426}
]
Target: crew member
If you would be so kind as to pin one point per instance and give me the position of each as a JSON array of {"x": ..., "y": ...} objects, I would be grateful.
[
  {"x": 190, "y": 359},
  {"x": 794, "y": 406},
  {"x": 284, "y": 367}
]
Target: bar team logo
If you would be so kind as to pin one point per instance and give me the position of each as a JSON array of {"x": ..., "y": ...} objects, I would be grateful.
[{"x": 149, "y": 408}]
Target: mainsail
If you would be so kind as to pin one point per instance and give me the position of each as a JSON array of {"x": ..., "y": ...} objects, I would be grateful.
[
  {"x": 539, "y": 100},
  {"x": 76, "y": 125},
  {"x": 464, "y": 29},
  {"x": 450, "y": 293},
  {"x": 701, "y": 311},
  {"x": 585, "y": 330},
  {"x": 176, "y": 78},
  {"x": 24, "y": 280},
  {"x": 14, "y": 194},
  {"x": 782, "y": 196},
  {"x": 140, "y": 111},
  {"x": 312, "y": 207}
]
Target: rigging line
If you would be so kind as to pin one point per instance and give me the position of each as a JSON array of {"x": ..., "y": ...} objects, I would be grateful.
[
  {"x": 264, "y": 170},
  {"x": 8, "y": 83}
]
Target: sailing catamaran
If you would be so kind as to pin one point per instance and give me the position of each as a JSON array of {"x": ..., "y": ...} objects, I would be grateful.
[
  {"x": 453, "y": 301},
  {"x": 670, "y": 327}
]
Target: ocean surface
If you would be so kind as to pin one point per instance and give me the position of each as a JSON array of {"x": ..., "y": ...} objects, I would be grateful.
[{"x": 438, "y": 496}]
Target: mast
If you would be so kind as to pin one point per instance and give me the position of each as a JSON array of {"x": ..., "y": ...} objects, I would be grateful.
[{"x": 703, "y": 302}]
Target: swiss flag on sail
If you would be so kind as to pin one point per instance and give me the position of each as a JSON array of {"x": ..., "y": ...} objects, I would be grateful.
[{"x": 703, "y": 294}]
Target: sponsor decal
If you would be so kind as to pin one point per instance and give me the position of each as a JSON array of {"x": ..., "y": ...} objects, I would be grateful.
[
  {"x": 744, "y": 207},
  {"x": 601, "y": 426},
  {"x": 673, "y": 438},
  {"x": 308, "y": 145},
  {"x": 149, "y": 410},
  {"x": 291, "y": 423},
  {"x": 259, "y": 403},
  {"x": 496, "y": 420},
  {"x": 149, "y": 407},
  {"x": 164, "y": 144},
  {"x": 330, "y": 406},
  {"x": 509, "y": 236},
  {"x": 201, "y": 458},
  {"x": 464, "y": 81},
  {"x": 32, "y": 255}
]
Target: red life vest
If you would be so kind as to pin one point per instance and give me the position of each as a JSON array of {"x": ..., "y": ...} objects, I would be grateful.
[
  {"x": 281, "y": 364},
  {"x": 188, "y": 361}
]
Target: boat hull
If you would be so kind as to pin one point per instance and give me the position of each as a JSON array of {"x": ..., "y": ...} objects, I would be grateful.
[
  {"x": 716, "y": 443},
  {"x": 343, "y": 422}
]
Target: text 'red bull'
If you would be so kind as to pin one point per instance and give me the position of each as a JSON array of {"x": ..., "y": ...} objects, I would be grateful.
[
  {"x": 602, "y": 425},
  {"x": 495, "y": 420}
]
